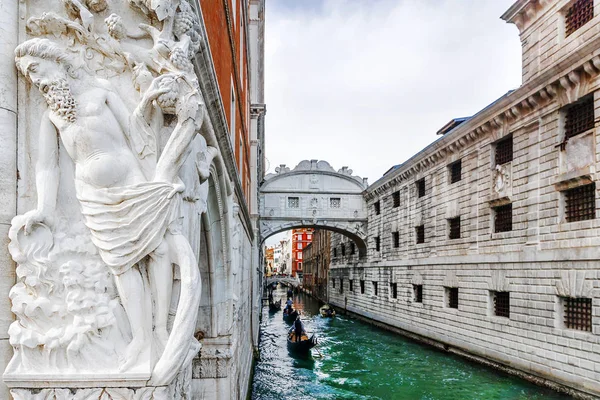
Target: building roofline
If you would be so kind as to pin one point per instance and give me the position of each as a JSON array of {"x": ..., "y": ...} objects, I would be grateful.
[{"x": 514, "y": 10}]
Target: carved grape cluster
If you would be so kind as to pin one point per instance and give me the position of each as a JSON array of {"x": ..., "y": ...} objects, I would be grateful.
[
  {"x": 114, "y": 24},
  {"x": 167, "y": 101},
  {"x": 179, "y": 58},
  {"x": 184, "y": 22}
]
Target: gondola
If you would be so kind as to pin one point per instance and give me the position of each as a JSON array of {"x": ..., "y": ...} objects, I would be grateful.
[
  {"x": 327, "y": 311},
  {"x": 290, "y": 317},
  {"x": 275, "y": 306},
  {"x": 303, "y": 346}
]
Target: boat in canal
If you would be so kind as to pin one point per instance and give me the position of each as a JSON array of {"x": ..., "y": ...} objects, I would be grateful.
[
  {"x": 290, "y": 317},
  {"x": 275, "y": 306},
  {"x": 327, "y": 311},
  {"x": 303, "y": 345}
]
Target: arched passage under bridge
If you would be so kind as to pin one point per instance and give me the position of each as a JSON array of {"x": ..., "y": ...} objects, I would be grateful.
[{"x": 314, "y": 195}]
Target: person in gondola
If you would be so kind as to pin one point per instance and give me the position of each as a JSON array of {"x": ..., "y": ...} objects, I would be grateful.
[
  {"x": 329, "y": 311},
  {"x": 270, "y": 297},
  {"x": 290, "y": 293},
  {"x": 298, "y": 328}
]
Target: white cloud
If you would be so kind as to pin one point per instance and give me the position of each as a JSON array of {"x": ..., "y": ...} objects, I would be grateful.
[{"x": 368, "y": 83}]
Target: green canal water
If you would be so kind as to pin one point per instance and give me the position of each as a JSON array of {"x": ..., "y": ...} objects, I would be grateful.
[{"x": 359, "y": 361}]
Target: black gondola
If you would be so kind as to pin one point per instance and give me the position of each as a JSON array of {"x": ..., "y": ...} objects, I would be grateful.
[
  {"x": 303, "y": 346},
  {"x": 290, "y": 317},
  {"x": 275, "y": 306}
]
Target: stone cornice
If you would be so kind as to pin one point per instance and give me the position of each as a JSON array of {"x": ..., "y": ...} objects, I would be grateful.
[
  {"x": 524, "y": 12},
  {"x": 565, "y": 82}
]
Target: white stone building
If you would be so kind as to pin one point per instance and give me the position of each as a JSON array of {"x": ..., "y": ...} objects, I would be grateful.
[{"x": 485, "y": 243}]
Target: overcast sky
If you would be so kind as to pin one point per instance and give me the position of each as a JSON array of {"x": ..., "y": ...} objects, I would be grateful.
[{"x": 367, "y": 83}]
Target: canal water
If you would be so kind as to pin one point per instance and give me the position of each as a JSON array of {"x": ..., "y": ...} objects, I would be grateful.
[{"x": 358, "y": 361}]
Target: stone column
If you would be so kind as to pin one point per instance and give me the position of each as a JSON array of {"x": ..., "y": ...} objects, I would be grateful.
[{"x": 9, "y": 23}]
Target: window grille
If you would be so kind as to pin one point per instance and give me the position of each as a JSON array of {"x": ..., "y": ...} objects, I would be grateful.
[
  {"x": 396, "y": 199},
  {"x": 452, "y": 294},
  {"x": 578, "y": 15},
  {"x": 335, "y": 202},
  {"x": 293, "y": 202},
  {"x": 343, "y": 249},
  {"x": 351, "y": 285},
  {"x": 579, "y": 118},
  {"x": 394, "y": 287},
  {"x": 454, "y": 225},
  {"x": 580, "y": 203},
  {"x": 503, "y": 218},
  {"x": 375, "y": 288},
  {"x": 578, "y": 313},
  {"x": 362, "y": 287},
  {"x": 377, "y": 243},
  {"x": 502, "y": 304},
  {"x": 420, "y": 231},
  {"x": 504, "y": 151},
  {"x": 377, "y": 207},
  {"x": 418, "y": 293},
  {"x": 396, "y": 239},
  {"x": 455, "y": 171},
  {"x": 421, "y": 187}
]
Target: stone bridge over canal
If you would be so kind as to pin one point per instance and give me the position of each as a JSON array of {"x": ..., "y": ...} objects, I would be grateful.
[{"x": 314, "y": 195}]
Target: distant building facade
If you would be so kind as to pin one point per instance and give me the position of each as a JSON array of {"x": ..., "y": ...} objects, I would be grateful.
[
  {"x": 486, "y": 241},
  {"x": 300, "y": 239},
  {"x": 317, "y": 257}
]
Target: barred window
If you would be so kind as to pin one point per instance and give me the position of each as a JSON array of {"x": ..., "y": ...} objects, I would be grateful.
[
  {"x": 293, "y": 202},
  {"x": 420, "y": 232},
  {"x": 377, "y": 207},
  {"x": 362, "y": 287},
  {"x": 503, "y": 218},
  {"x": 335, "y": 202},
  {"x": 377, "y": 243},
  {"x": 396, "y": 199},
  {"x": 501, "y": 304},
  {"x": 581, "y": 12},
  {"x": 454, "y": 228},
  {"x": 504, "y": 151},
  {"x": 418, "y": 293},
  {"x": 421, "y": 187},
  {"x": 452, "y": 297},
  {"x": 579, "y": 118},
  {"x": 578, "y": 313},
  {"x": 374, "y": 288},
  {"x": 396, "y": 239},
  {"x": 455, "y": 170},
  {"x": 394, "y": 290},
  {"x": 580, "y": 203}
]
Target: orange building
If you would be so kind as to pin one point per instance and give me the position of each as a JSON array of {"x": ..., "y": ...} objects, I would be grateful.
[{"x": 300, "y": 239}]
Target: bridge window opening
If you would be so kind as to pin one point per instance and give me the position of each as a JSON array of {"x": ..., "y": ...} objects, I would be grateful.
[
  {"x": 451, "y": 297},
  {"x": 501, "y": 301},
  {"x": 362, "y": 287},
  {"x": 418, "y": 293},
  {"x": 577, "y": 313},
  {"x": 455, "y": 170},
  {"x": 396, "y": 199},
  {"x": 503, "y": 218},
  {"x": 504, "y": 151},
  {"x": 377, "y": 243},
  {"x": 396, "y": 239},
  {"x": 420, "y": 233},
  {"x": 343, "y": 249},
  {"x": 351, "y": 285},
  {"x": 374, "y": 288},
  {"x": 335, "y": 202},
  {"x": 579, "y": 117},
  {"x": 580, "y": 13},
  {"x": 394, "y": 290},
  {"x": 377, "y": 207},
  {"x": 454, "y": 228},
  {"x": 352, "y": 248},
  {"x": 293, "y": 202},
  {"x": 421, "y": 187},
  {"x": 580, "y": 203}
]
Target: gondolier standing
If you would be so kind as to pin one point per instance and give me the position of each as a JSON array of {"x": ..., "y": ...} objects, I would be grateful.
[{"x": 298, "y": 328}]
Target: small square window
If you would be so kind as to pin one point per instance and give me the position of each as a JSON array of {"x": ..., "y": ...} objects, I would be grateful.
[
  {"x": 503, "y": 218},
  {"x": 580, "y": 203},
  {"x": 455, "y": 170},
  {"x": 418, "y": 293},
  {"x": 504, "y": 151},
  {"x": 396, "y": 199},
  {"x": 580, "y": 13},
  {"x": 377, "y": 208},
  {"x": 293, "y": 202},
  {"x": 577, "y": 313},
  {"x": 351, "y": 285},
  {"x": 335, "y": 202},
  {"x": 452, "y": 297},
  {"x": 454, "y": 228},
  {"x": 394, "y": 290},
  {"x": 421, "y": 187},
  {"x": 362, "y": 287},
  {"x": 396, "y": 239},
  {"x": 377, "y": 243},
  {"x": 501, "y": 304},
  {"x": 420, "y": 233},
  {"x": 374, "y": 288}
]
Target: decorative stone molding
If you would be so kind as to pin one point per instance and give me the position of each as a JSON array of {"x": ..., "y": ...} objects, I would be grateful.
[
  {"x": 498, "y": 282},
  {"x": 416, "y": 279},
  {"x": 573, "y": 283},
  {"x": 147, "y": 393},
  {"x": 502, "y": 181},
  {"x": 573, "y": 179},
  {"x": 317, "y": 166},
  {"x": 451, "y": 280}
]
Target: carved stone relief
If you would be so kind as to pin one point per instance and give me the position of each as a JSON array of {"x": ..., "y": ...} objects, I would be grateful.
[
  {"x": 501, "y": 181},
  {"x": 573, "y": 283}
]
